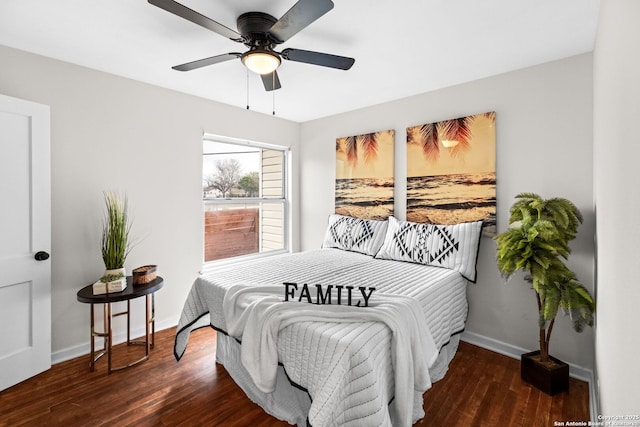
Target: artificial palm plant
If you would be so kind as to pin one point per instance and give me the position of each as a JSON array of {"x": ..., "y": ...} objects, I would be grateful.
[
  {"x": 538, "y": 237},
  {"x": 115, "y": 231}
]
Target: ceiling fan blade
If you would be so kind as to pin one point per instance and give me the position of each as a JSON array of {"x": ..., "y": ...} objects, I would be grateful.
[
  {"x": 207, "y": 61},
  {"x": 197, "y": 18},
  {"x": 318, "y": 58},
  {"x": 271, "y": 81},
  {"x": 301, "y": 14}
]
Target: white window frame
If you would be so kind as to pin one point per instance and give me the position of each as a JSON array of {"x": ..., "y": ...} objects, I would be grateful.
[{"x": 285, "y": 201}]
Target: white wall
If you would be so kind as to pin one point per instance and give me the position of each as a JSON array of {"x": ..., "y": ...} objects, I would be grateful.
[
  {"x": 544, "y": 144},
  {"x": 112, "y": 133},
  {"x": 107, "y": 133},
  {"x": 616, "y": 153}
]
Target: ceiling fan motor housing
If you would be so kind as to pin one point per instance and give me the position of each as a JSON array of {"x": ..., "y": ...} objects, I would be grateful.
[{"x": 254, "y": 27}]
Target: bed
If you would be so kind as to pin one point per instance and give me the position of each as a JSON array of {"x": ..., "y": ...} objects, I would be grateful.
[{"x": 340, "y": 365}]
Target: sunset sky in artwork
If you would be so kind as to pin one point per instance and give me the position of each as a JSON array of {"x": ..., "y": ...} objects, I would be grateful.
[{"x": 481, "y": 157}]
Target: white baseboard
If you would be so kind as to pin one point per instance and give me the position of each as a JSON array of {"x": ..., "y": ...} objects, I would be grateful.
[
  {"x": 513, "y": 351},
  {"x": 85, "y": 348}
]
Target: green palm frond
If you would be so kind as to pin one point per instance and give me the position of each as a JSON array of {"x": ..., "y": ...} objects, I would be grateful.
[
  {"x": 577, "y": 303},
  {"x": 550, "y": 302}
]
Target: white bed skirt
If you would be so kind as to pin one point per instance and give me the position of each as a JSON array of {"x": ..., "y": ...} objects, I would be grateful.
[{"x": 290, "y": 403}]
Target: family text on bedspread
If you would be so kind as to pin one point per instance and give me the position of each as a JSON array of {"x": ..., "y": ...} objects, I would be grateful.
[{"x": 325, "y": 297}]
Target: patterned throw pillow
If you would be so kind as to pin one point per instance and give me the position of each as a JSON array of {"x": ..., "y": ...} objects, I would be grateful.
[
  {"x": 450, "y": 246},
  {"x": 355, "y": 234}
]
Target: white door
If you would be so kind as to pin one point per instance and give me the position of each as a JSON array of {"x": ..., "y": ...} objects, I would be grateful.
[{"x": 25, "y": 234}]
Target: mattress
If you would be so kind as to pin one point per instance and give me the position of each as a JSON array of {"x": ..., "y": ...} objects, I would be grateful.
[{"x": 346, "y": 369}]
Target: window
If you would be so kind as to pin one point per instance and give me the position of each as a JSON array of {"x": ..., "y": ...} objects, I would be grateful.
[{"x": 244, "y": 197}]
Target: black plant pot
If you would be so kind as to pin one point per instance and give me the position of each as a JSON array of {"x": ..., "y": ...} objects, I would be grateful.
[{"x": 550, "y": 379}]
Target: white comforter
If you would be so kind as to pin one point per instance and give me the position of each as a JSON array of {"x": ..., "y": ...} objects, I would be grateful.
[
  {"x": 257, "y": 314},
  {"x": 346, "y": 368}
]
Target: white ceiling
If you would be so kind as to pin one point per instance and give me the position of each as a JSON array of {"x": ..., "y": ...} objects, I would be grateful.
[{"x": 401, "y": 47}]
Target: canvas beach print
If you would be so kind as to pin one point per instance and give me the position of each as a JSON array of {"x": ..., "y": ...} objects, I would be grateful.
[
  {"x": 364, "y": 175},
  {"x": 451, "y": 171}
]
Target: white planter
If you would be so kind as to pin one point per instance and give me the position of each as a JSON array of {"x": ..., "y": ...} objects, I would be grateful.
[
  {"x": 114, "y": 286},
  {"x": 116, "y": 271}
]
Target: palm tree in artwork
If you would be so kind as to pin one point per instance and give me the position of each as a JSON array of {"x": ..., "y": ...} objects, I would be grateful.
[
  {"x": 491, "y": 115},
  {"x": 352, "y": 144},
  {"x": 369, "y": 145},
  {"x": 431, "y": 135},
  {"x": 351, "y": 147},
  {"x": 428, "y": 138},
  {"x": 457, "y": 130}
]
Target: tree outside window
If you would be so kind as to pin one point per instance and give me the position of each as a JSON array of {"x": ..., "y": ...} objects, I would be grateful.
[{"x": 244, "y": 198}]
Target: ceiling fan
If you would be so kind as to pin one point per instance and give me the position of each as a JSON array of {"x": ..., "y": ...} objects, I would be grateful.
[{"x": 261, "y": 33}]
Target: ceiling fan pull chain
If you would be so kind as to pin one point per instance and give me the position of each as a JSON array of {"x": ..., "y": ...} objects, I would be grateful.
[
  {"x": 247, "y": 88},
  {"x": 273, "y": 92}
]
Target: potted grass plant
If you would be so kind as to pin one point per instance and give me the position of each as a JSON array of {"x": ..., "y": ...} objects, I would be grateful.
[
  {"x": 536, "y": 242},
  {"x": 115, "y": 243}
]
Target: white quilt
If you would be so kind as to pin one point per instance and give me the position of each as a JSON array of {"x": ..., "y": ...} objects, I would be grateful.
[
  {"x": 347, "y": 368},
  {"x": 257, "y": 314}
]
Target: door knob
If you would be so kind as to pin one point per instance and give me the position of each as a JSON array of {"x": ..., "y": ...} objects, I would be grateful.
[{"x": 41, "y": 256}]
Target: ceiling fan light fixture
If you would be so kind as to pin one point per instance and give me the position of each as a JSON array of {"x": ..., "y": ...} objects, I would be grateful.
[{"x": 261, "y": 61}]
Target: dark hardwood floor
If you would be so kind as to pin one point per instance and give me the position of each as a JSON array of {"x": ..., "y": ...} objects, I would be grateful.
[{"x": 482, "y": 388}]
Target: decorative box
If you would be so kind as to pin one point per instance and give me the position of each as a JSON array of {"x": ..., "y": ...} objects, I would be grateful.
[
  {"x": 144, "y": 274},
  {"x": 101, "y": 287}
]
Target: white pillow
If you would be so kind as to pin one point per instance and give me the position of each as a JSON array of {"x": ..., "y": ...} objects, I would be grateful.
[
  {"x": 450, "y": 246},
  {"x": 355, "y": 234}
]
